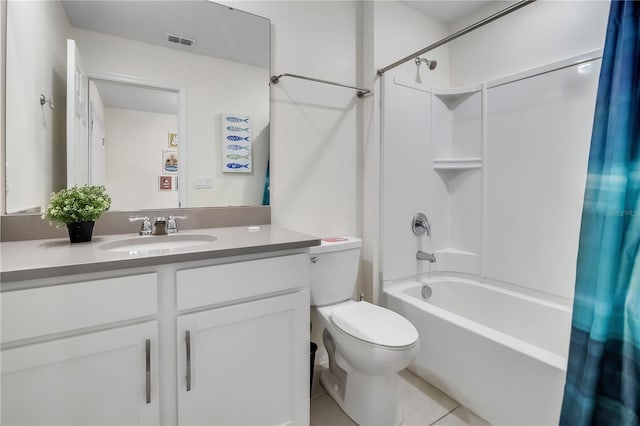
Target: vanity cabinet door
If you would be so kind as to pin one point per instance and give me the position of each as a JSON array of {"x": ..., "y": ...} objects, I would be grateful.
[
  {"x": 246, "y": 364},
  {"x": 102, "y": 378}
]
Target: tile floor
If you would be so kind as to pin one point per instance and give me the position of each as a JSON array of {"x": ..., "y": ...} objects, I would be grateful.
[{"x": 421, "y": 403}]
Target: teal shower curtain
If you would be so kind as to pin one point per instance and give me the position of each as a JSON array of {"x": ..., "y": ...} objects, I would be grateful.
[
  {"x": 266, "y": 194},
  {"x": 603, "y": 375}
]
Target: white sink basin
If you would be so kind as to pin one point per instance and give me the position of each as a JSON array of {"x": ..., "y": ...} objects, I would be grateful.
[{"x": 157, "y": 244}]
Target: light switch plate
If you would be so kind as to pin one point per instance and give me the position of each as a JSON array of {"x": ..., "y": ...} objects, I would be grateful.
[{"x": 204, "y": 182}]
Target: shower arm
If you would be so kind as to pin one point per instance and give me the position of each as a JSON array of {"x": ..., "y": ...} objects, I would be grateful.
[{"x": 454, "y": 36}]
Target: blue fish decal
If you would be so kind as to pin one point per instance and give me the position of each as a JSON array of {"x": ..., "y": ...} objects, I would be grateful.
[
  {"x": 237, "y": 120},
  {"x": 237, "y": 147},
  {"x": 237, "y": 129},
  {"x": 237, "y": 138},
  {"x": 237, "y": 166}
]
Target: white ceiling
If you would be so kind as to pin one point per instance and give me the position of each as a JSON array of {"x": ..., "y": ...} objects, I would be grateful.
[
  {"x": 447, "y": 11},
  {"x": 138, "y": 98},
  {"x": 219, "y": 31}
]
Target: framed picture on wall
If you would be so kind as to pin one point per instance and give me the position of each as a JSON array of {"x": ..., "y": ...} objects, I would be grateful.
[
  {"x": 236, "y": 143},
  {"x": 170, "y": 162},
  {"x": 173, "y": 140},
  {"x": 165, "y": 183}
]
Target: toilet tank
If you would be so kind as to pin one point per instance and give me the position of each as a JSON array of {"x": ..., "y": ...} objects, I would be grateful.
[{"x": 334, "y": 269}]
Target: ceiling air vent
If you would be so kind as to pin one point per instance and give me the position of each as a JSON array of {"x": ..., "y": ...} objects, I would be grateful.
[{"x": 180, "y": 40}]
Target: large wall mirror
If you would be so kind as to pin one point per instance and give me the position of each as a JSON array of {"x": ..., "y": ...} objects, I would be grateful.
[{"x": 166, "y": 103}]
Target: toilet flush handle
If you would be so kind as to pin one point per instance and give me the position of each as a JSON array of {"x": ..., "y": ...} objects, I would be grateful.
[{"x": 314, "y": 259}]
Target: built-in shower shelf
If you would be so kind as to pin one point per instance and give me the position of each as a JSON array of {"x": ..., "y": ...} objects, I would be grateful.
[
  {"x": 454, "y": 97},
  {"x": 457, "y": 163}
]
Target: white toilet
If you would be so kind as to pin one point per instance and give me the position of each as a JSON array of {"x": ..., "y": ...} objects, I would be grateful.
[{"x": 367, "y": 344}]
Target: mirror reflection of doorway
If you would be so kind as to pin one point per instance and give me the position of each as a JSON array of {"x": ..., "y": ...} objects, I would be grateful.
[{"x": 131, "y": 131}]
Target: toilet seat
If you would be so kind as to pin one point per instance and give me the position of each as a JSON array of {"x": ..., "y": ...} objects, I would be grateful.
[{"x": 374, "y": 324}]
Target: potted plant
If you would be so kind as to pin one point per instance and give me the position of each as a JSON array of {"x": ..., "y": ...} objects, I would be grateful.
[{"x": 78, "y": 208}]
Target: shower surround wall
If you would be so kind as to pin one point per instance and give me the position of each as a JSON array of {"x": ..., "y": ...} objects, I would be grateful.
[{"x": 498, "y": 167}]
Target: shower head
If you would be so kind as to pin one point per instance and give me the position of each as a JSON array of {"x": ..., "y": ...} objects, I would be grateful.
[{"x": 430, "y": 64}]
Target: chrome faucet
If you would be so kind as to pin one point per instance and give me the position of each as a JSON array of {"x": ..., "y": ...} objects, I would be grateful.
[
  {"x": 145, "y": 229},
  {"x": 159, "y": 226},
  {"x": 420, "y": 255},
  {"x": 172, "y": 226}
]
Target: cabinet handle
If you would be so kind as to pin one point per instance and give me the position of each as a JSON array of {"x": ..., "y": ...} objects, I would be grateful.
[
  {"x": 188, "y": 340},
  {"x": 148, "y": 370}
]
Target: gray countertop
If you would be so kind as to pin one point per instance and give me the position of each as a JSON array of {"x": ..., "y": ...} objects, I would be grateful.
[{"x": 33, "y": 259}]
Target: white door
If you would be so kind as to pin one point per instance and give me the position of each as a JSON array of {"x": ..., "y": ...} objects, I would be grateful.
[
  {"x": 246, "y": 364},
  {"x": 102, "y": 378},
  {"x": 97, "y": 166},
  {"x": 77, "y": 118}
]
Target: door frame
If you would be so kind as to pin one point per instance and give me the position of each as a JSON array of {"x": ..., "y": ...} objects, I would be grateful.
[{"x": 181, "y": 90}]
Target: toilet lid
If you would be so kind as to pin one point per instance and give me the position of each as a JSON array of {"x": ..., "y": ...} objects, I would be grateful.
[{"x": 374, "y": 324}]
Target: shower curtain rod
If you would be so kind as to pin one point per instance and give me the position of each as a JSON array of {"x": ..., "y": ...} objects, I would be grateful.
[
  {"x": 454, "y": 36},
  {"x": 361, "y": 92}
]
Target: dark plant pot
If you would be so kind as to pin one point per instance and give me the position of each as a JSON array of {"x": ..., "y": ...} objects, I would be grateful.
[{"x": 80, "y": 232}]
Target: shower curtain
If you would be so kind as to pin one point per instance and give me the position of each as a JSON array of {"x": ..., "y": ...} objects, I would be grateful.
[
  {"x": 266, "y": 194},
  {"x": 603, "y": 375}
]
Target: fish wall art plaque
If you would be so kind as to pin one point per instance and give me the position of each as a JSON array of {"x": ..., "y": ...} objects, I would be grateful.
[{"x": 236, "y": 143}]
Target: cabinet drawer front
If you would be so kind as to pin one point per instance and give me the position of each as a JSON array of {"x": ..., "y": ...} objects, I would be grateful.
[
  {"x": 41, "y": 311},
  {"x": 224, "y": 283}
]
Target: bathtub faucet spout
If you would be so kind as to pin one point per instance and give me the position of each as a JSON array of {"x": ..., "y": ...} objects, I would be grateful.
[{"x": 426, "y": 256}]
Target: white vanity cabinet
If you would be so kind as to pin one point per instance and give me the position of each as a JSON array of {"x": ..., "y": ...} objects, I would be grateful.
[
  {"x": 221, "y": 341},
  {"x": 246, "y": 363},
  {"x": 68, "y": 358}
]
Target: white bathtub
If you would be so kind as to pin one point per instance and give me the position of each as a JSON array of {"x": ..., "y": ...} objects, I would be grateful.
[{"x": 498, "y": 352}]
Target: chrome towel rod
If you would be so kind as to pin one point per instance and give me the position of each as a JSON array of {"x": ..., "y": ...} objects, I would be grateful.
[
  {"x": 454, "y": 36},
  {"x": 360, "y": 92}
]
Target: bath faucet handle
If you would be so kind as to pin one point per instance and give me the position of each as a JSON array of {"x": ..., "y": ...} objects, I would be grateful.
[
  {"x": 145, "y": 228},
  {"x": 172, "y": 226},
  {"x": 421, "y": 224}
]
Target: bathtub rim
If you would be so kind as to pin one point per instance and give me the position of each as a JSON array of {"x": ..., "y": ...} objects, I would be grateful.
[
  {"x": 554, "y": 299},
  {"x": 397, "y": 290}
]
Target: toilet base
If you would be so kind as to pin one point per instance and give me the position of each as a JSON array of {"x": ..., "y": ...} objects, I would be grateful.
[{"x": 368, "y": 400}]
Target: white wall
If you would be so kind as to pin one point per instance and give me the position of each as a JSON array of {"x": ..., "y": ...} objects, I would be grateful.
[
  {"x": 539, "y": 33},
  {"x": 314, "y": 132},
  {"x": 213, "y": 87},
  {"x": 36, "y": 59},
  {"x": 134, "y": 141},
  {"x": 400, "y": 30}
]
